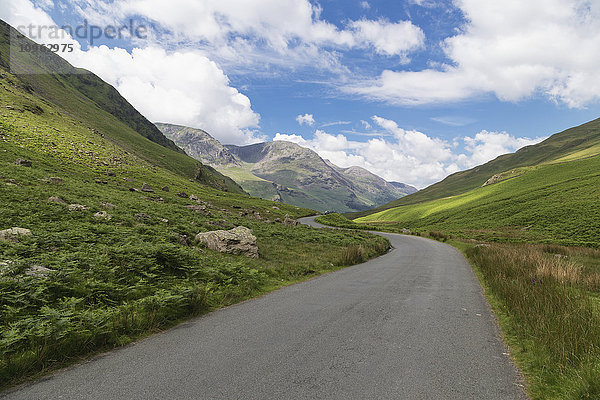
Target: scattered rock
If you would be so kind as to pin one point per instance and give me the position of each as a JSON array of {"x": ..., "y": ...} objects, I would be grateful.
[
  {"x": 108, "y": 206},
  {"x": 13, "y": 234},
  {"x": 406, "y": 231},
  {"x": 197, "y": 208},
  {"x": 142, "y": 216},
  {"x": 165, "y": 189},
  {"x": 76, "y": 207},
  {"x": 482, "y": 245},
  {"x": 146, "y": 188},
  {"x": 289, "y": 221},
  {"x": 102, "y": 215},
  {"x": 38, "y": 271},
  {"x": 128, "y": 180},
  {"x": 110, "y": 173},
  {"x": 101, "y": 182},
  {"x": 156, "y": 199},
  {"x": 194, "y": 197},
  {"x": 278, "y": 220},
  {"x": 267, "y": 221},
  {"x": 239, "y": 240},
  {"x": 55, "y": 199},
  {"x": 275, "y": 208},
  {"x": 183, "y": 240},
  {"x": 134, "y": 189},
  {"x": 238, "y": 207},
  {"x": 23, "y": 162},
  {"x": 182, "y": 195},
  {"x": 55, "y": 180},
  {"x": 166, "y": 221}
]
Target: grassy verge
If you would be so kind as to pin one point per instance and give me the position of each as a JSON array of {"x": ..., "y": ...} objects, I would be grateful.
[{"x": 546, "y": 301}]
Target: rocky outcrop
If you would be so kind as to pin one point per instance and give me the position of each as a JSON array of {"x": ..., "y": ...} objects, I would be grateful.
[
  {"x": 13, "y": 234},
  {"x": 239, "y": 240}
]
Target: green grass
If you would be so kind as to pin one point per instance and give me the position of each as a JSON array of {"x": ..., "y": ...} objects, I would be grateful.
[
  {"x": 547, "y": 307},
  {"x": 578, "y": 142},
  {"x": 554, "y": 203}
]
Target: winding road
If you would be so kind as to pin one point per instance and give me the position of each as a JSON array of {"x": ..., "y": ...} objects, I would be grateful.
[{"x": 411, "y": 324}]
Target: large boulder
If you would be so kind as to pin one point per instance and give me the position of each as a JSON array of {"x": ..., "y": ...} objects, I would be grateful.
[
  {"x": 239, "y": 240},
  {"x": 12, "y": 234}
]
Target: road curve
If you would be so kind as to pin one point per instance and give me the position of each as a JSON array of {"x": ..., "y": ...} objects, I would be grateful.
[{"x": 412, "y": 324}]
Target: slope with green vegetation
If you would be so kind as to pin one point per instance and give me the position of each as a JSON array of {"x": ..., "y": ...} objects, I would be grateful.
[
  {"x": 575, "y": 143},
  {"x": 112, "y": 216},
  {"x": 555, "y": 203},
  {"x": 96, "y": 105}
]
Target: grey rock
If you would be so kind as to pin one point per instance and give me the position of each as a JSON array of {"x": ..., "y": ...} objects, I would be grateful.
[
  {"x": 194, "y": 197},
  {"x": 55, "y": 199},
  {"x": 289, "y": 221},
  {"x": 142, "y": 216},
  {"x": 38, "y": 271},
  {"x": 23, "y": 162},
  {"x": 55, "y": 180},
  {"x": 108, "y": 206},
  {"x": 165, "y": 189},
  {"x": 239, "y": 240},
  {"x": 76, "y": 207},
  {"x": 102, "y": 215},
  {"x": 13, "y": 234},
  {"x": 146, "y": 188},
  {"x": 182, "y": 195}
]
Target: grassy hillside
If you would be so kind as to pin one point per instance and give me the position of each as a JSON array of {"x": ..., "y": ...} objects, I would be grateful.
[
  {"x": 547, "y": 203},
  {"x": 47, "y": 79},
  {"x": 579, "y": 142},
  {"x": 111, "y": 256}
]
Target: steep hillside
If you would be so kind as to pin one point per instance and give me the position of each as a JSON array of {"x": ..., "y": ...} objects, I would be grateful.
[
  {"x": 289, "y": 173},
  {"x": 554, "y": 201},
  {"x": 575, "y": 143},
  {"x": 46, "y": 78}
]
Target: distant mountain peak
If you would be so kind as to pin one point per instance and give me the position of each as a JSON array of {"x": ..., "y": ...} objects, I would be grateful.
[{"x": 289, "y": 172}]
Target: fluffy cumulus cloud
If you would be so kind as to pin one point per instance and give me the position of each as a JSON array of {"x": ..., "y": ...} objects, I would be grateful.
[
  {"x": 410, "y": 156},
  {"x": 307, "y": 119},
  {"x": 512, "y": 49},
  {"x": 182, "y": 87}
]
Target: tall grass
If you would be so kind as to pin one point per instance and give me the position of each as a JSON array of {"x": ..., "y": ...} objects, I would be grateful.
[{"x": 550, "y": 302}]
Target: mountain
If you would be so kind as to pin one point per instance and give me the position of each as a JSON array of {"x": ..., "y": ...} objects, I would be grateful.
[
  {"x": 578, "y": 142},
  {"x": 81, "y": 95},
  {"x": 289, "y": 173},
  {"x": 545, "y": 192},
  {"x": 199, "y": 145}
]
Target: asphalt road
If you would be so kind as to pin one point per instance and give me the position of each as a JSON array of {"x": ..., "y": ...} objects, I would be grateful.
[{"x": 412, "y": 324}]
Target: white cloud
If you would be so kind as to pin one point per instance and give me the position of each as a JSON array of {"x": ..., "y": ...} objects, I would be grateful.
[
  {"x": 410, "y": 156},
  {"x": 388, "y": 38},
  {"x": 512, "y": 49},
  {"x": 279, "y": 32},
  {"x": 307, "y": 119},
  {"x": 365, "y": 124},
  {"x": 365, "y": 5},
  {"x": 182, "y": 87},
  {"x": 485, "y": 146},
  {"x": 334, "y": 123}
]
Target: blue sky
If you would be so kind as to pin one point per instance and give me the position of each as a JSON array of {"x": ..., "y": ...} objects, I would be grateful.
[{"x": 411, "y": 90}]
